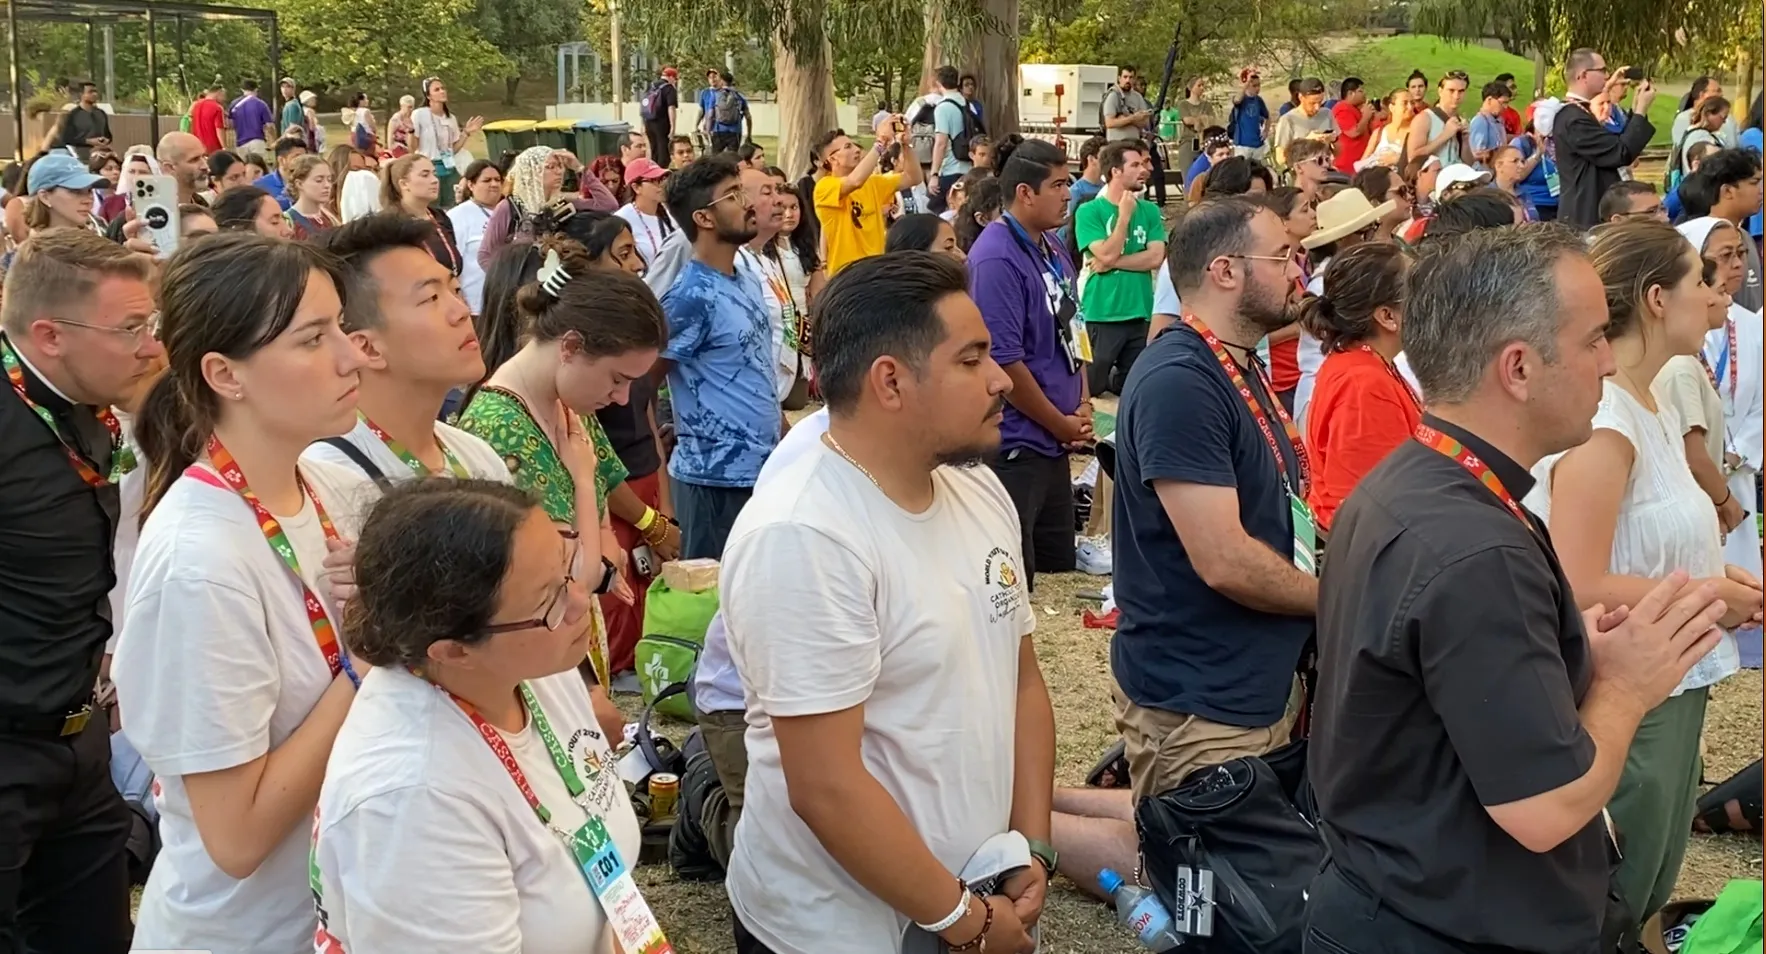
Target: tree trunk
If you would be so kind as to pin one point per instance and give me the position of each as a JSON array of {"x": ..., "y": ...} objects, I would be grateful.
[
  {"x": 806, "y": 102},
  {"x": 509, "y": 84},
  {"x": 991, "y": 55}
]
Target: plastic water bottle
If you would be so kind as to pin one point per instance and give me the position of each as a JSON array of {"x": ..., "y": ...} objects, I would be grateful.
[{"x": 1140, "y": 910}]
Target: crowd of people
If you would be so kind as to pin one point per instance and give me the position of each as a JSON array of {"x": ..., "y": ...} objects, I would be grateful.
[{"x": 343, "y": 514}]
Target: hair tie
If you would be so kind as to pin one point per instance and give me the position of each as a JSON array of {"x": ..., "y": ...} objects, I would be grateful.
[{"x": 552, "y": 275}]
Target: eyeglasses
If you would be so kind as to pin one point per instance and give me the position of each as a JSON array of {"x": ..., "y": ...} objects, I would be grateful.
[
  {"x": 133, "y": 331},
  {"x": 1286, "y": 257},
  {"x": 740, "y": 196},
  {"x": 559, "y": 607}
]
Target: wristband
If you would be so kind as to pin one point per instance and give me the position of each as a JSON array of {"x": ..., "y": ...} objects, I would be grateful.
[
  {"x": 949, "y": 920},
  {"x": 646, "y": 520},
  {"x": 349, "y": 669},
  {"x": 608, "y": 574},
  {"x": 1728, "y": 495}
]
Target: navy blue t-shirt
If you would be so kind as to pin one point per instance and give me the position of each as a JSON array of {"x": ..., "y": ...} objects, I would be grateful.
[{"x": 1179, "y": 645}]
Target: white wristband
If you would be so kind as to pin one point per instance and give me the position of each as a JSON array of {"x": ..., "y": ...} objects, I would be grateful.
[{"x": 949, "y": 920}]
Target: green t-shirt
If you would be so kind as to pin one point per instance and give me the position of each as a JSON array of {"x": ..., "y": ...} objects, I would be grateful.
[{"x": 1118, "y": 295}]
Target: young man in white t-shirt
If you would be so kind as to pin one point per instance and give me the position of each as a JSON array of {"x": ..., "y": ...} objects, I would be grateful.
[{"x": 878, "y": 616}]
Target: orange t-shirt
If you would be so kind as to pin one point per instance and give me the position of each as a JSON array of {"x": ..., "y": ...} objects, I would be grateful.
[{"x": 1360, "y": 410}]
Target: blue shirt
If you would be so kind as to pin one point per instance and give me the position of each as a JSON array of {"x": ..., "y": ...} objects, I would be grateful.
[
  {"x": 726, "y": 412},
  {"x": 250, "y": 115},
  {"x": 1011, "y": 286},
  {"x": 1750, "y": 139},
  {"x": 1534, "y": 188},
  {"x": 947, "y": 118},
  {"x": 1181, "y": 646},
  {"x": 1485, "y": 133},
  {"x": 707, "y": 107},
  {"x": 273, "y": 184},
  {"x": 1246, "y": 121},
  {"x": 1201, "y": 165},
  {"x": 1084, "y": 190}
]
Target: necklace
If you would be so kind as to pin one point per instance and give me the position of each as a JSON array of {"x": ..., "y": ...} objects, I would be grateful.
[{"x": 828, "y": 439}]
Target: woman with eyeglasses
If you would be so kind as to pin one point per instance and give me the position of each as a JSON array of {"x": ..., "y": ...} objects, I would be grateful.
[
  {"x": 1382, "y": 184},
  {"x": 229, "y": 670},
  {"x": 471, "y": 780},
  {"x": 534, "y": 188}
]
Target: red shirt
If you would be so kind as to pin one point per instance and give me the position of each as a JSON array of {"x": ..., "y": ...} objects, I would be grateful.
[
  {"x": 1360, "y": 410},
  {"x": 1349, "y": 148},
  {"x": 207, "y": 119},
  {"x": 1511, "y": 121}
]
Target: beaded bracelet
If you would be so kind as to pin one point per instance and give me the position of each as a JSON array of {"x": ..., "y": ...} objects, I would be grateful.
[{"x": 979, "y": 941}]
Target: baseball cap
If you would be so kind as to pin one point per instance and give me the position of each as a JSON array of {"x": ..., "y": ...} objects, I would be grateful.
[
  {"x": 1457, "y": 174},
  {"x": 671, "y": 73},
  {"x": 58, "y": 170},
  {"x": 287, "y": 81},
  {"x": 1248, "y": 74},
  {"x": 643, "y": 170}
]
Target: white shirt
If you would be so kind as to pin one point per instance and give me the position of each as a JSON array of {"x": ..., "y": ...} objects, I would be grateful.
[
  {"x": 1165, "y": 300},
  {"x": 1402, "y": 363},
  {"x": 217, "y": 665},
  {"x": 648, "y": 230},
  {"x": 1308, "y": 355},
  {"x": 424, "y": 843},
  {"x": 132, "y": 490},
  {"x": 780, "y": 309},
  {"x": 716, "y": 686},
  {"x": 834, "y": 596},
  {"x": 1742, "y": 415},
  {"x": 436, "y": 134},
  {"x": 469, "y": 219},
  {"x": 473, "y": 453},
  {"x": 1666, "y": 522}
]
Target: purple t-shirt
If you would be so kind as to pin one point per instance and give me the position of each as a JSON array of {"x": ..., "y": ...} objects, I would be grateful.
[
  {"x": 1008, "y": 283},
  {"x": 250, "y": 116}
]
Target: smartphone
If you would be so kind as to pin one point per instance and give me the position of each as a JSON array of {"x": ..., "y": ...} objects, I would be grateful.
[
  {"x": 1634, "y": 74},
  {"x": 155, "y": 201}
]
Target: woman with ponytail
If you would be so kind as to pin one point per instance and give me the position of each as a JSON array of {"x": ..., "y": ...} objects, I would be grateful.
[
  {"x": 229, "y": 667},
  {"x": 585, "y": 334},
  {"x": 1361, "y": 407}
]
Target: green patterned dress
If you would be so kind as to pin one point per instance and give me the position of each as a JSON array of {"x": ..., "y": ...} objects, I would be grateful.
[{"x": 501, "y": 419}]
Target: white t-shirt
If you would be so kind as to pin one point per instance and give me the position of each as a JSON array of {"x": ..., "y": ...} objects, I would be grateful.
[
  {"x": 1308, "y": 356},
  {"x": 648, "y": 231},
  {"x": 477, "y": 456},
  {"x": 217, "y": 665},
  {"x": 777, "y": 295},
  {"x": 424, "y": 843},
  {"x": 716, "y": 685},
  {"x": 834, "y": 597},
  {"x": 1741, "y": 414},
  {"x": 436, "y": 134},
  {"x": 1666, "y": 522},
  {"x": 133, "y": 492},
  {"x": 1165, "y": 301},
  {"x": 469, "y": 219}
]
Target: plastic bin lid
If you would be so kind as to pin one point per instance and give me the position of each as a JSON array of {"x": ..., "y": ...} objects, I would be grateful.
[
  {"x": 510, "y": 125},
  {"x": 611, "y": 127},
  {"x": 555, "y": 124}
]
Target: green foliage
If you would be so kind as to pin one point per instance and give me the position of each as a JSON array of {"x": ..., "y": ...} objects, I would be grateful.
[
  {"x": 1625, "y": 31},
  {"x": 527, "y": 32},
  {"x": 386, "y": 48},
  {"x": 226, "y": 49}
]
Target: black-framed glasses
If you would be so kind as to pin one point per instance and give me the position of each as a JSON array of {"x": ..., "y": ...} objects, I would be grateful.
[{"x": 559, "y": 607}]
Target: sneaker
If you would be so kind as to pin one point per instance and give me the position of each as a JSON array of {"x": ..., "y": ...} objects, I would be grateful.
[{"x": 1091, "y": 558}]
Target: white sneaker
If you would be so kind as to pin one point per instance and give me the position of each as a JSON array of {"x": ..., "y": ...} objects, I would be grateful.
[{"x": 1091, "y": 557}]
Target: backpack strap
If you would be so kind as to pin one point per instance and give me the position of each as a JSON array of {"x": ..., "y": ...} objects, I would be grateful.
[
  {"x": 645, "y": 739},
  {"x": 361, "y": 460}
]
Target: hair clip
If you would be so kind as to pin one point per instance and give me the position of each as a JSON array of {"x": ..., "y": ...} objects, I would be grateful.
[{"x": 552, "y": 275}]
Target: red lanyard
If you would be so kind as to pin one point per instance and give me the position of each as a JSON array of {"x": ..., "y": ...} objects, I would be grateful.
[
  {"x": 323, "y": 633},
  {"x": 1392, "y": 370},
  {"x": 1463, "y": 456},
  {"x": 1237, "y": 378},
  {"x": 499, "y": 747},
  {"x": 121, "y": 461},
  {"x": 441, "y": 233}
]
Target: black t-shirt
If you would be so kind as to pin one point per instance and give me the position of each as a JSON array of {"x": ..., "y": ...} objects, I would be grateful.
[
  {"x": 1452, "y": 659},
  {"x": 669, "y": 96},
  {"x": 628, "y": 429},
  {"x": 57, "y": 537},
  {"x": 1179, "y": 645}
]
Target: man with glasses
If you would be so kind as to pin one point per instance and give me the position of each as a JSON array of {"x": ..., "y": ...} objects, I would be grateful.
[
  {"x": 1590, "y": 156},
  {"x": 75, "y": 341},
  {"x": 1631, "y": 199},
  {"x": 1442, "y": 133},
  {"x": 719, "y": 358},
  {"x": 1214, "y": 544}
]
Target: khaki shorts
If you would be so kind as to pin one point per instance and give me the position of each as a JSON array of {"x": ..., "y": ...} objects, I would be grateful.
[
  {"x": 257, "y": 147},
  {"x": 1164, "y": 747}
]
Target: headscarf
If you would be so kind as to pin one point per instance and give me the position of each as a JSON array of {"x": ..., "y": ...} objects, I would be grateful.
[
  {"x": 360, "y": 196},
  {"x": 1698, "y": 231},
  {"x": 527, "y": 180},
  {"x": 126, "y": 184},
  {"x": 1545, "y": 114}
]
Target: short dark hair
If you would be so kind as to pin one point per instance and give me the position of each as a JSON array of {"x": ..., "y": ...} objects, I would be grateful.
[
  {"x": 1479, "y": 209},
  {"x": 477, "y": 169},
  {"x": 946, "y": 77},
  {"x": 748, "y": 150},
  {"x": 1027, "y": 162},
  {"x": 1505, "y": 78},
  {"x": 1374, "y": 182},
  {"x": 1126, "y": 68},
  {"x": 914, "y": 232},
  {"x": 1215, "y": 227},
  {"x": 882, "y": 305},
  {"x": 1702, "y": 190},
  {"x": 249, "y": 86},
  {"x": 1350, "y": 84},
  {"x": 1089, "y": 149},
  {"x": 1617, "y": 200},
  {"x": 237, "y": 208},
  {"x": 288, "y": 144},
  {"x": 632, "y": 136},
  {"x": 86, "y": 85},
  {"x": 674, "y": 141},
  {"x": 694, "y": 188},
  {"x": 1495, "y": 90},
  {"x": 1115, "y": 155},
  {"x": 968, "y": 78},
  {"x": 1302, "y": 150},
  {"x": 358, "y": 243}
]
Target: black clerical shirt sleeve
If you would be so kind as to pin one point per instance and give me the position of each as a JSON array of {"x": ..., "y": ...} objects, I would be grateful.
[{"x": 1488, "y": 637}]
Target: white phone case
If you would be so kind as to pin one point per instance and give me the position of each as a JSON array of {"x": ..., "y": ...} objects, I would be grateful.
[{"x": 155, "y": 201}]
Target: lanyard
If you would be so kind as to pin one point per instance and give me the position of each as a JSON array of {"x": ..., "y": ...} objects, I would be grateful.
[
  {"x": 410, "y": 459},
  {"x": 774, "y": 274},
  {"x": 1239, "y": 384},
  {"x": 1726, "y": 365},
  {"x": 573, "y": 783},
  {"x": 1049, "y": 262},
  {"x": 1409, "y": 391},
  {"x": 323, "y": 632},
  {"x": 1463, "y": 456},
  {"x": 453, "y": 262},
  {"x": 122, "y": 460}
]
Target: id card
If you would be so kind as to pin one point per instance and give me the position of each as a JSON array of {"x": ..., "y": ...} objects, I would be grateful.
[
  {"x": 1081, "y": 347},
  {"x": 1551, "y": 179},
  {"x": 633, "y": 923},
  {"x": 1305, "y": 536}
]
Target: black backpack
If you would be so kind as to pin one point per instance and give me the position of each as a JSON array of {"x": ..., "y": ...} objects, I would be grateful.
[
  {"x": 923, "y": 129},
  {"x": 1249, "y": 827}
]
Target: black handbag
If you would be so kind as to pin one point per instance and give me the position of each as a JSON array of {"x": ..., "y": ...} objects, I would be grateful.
[{"x": 1232, "y": 850}]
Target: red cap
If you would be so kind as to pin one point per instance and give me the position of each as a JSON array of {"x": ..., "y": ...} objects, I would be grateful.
[
  {"x": 1248, "y": 72},
  {"x": 669, "y": 72},
  {"x": 643, "y": 170}
]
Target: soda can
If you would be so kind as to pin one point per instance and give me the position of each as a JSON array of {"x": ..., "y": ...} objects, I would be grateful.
[{"x": 665, "y": 791}]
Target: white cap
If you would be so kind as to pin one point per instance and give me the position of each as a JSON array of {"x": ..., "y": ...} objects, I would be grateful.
[{"x": 1457, "y": 174}]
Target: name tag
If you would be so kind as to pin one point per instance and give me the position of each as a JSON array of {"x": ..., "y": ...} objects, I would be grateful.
[{"x": 1305, "y": 536}]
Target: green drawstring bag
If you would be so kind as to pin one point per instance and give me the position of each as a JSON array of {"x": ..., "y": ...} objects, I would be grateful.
[
  {"x": 674, "y": 635},
  {"x": 1731, "y": 926}
]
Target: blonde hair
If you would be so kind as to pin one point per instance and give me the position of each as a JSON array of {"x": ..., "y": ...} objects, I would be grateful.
[
  {"x": 391, "y": 196},
  {"x": 302, "y": 170},
  {"x": 57, "y": 268}
]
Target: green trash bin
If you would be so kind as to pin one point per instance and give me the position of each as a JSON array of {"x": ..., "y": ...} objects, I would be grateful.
[
  {"x": 506, "y": 135},
  {"x": 596, "y": 138},
  {"x": 556, "y": 133}
]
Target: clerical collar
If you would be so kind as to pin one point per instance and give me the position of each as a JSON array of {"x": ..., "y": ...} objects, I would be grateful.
[{"x": 40, "y": 376}]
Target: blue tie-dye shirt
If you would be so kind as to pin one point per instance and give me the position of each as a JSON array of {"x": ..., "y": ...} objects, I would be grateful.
[{"x": 726, "y": 411}]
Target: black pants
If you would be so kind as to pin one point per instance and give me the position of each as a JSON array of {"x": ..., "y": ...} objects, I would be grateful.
[
  {"x": 1157, "y": 153},
  {"x": 1041, "y": 489},
  {"x": 725, "y": 141},
  {"x": 64, "y": 876},
  {"x": 1343, "y": 918},
  {"x": 745, "y": 942},
  {"x": 1114, "y": 347},
  {"x": 706, "y": 515},
  {"x": 658, "y": 134}
]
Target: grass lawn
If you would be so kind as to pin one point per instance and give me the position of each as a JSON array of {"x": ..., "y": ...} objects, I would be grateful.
[{"x": 1385, "y": 63}]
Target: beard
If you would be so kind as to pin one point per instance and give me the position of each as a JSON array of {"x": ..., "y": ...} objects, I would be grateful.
[
  {"x": 1267, "y": 308},
  {"x": 740, "y": 234},
  {"x": 975, "y": 453}
]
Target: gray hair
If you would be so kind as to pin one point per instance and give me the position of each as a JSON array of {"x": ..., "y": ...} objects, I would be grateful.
[
  {"x": 1215, "y": 227},
  {"x": 1473, "y": 295}
]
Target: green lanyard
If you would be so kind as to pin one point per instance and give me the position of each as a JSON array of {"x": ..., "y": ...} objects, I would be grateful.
[{"x": 403, "y": 453}]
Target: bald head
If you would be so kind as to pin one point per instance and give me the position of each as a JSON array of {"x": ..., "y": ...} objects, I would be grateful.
[{"x": 182, "y": 157}]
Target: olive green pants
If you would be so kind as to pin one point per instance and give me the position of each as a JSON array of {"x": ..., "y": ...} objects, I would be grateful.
[{"x": 1656, "y": 799}]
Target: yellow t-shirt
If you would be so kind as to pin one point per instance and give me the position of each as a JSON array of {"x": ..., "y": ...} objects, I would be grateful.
[{"x": 853, "y": 227}]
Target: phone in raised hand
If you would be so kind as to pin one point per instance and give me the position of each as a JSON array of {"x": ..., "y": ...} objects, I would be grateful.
[{"x": 155, "y": 201}]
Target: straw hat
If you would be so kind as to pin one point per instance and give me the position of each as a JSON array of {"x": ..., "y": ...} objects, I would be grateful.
[{"x": 1344, "y": 214}]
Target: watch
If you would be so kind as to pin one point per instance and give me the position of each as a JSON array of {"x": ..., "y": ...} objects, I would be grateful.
[
  {"x": 1044, "y": 852},
  {"x": 608, "y": 573}
]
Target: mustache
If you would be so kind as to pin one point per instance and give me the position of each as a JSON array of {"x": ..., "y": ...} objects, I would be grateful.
[{"x": 999, "y": 405}]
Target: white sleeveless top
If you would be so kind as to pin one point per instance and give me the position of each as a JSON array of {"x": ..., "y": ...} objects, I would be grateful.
[{"x": 1666, "y": 522}]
